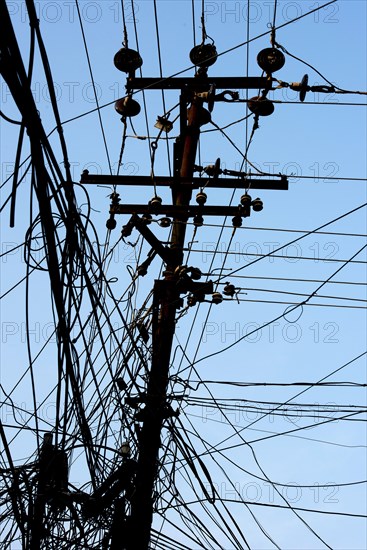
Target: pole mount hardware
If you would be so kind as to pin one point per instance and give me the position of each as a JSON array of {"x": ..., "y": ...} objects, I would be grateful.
[
  {"x": 213, "y": 170},
  {"x": 198, "y": 292},
  {"x": 301, "y": 87},
  {"x": 142, "y": 268},
  {"x": 163, "y": 124},
  {"x": 204, "y": 116},
  {"x": 210, "y": 96},
  {"x": 127, "y": 229},
  {"x": 111, "y": 222},
  {"x": 237, "y": 220}
]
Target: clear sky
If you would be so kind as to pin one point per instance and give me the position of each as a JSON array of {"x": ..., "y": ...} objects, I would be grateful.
[{"x": 321, "y": 146}]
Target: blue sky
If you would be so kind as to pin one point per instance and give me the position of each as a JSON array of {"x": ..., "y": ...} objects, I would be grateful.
[{"x": 321, "y": 138}]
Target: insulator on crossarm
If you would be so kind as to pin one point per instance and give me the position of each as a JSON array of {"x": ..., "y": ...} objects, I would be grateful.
[
  {"x": 257, "y": 205},
  {"x": 260, "y": 106},
  {"x": 246, "y": 203},
  {"x": 127, "y": 107},
  {"x": 229, "y": 290},
  {"x": 201, "y": 198},
  {"x": 127, "y": 60},
  {"x": 198, "y": 220},
  {"x": 204, "y": 55},
  {"x": 217, "y": 298},
  {"x": 246, "y": 200},
  {"x": 270, "y": 60},
  {"x": 301, "y": 87},
  {"x": 237, "y": 220},
  {"x": 164, "y": 222},
  {"x": 155, "y": 203},
  {"x": 111, "y": 222}
]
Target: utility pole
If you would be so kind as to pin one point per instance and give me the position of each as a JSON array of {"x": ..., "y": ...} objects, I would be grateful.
[
  {"x": 165, "y": 303},
  {"x": 122, "y": 506},
  {"x": 136, "y": 527}
]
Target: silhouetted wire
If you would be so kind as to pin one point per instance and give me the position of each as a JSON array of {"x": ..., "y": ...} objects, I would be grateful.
[
  {"x": 161, "y": 75},
  {"x": 206, "y": 445},
  {"x": 299, "y": 238},
  {"x": 193, "y": 22},
  {"x": 238, "y": 433},
  {"x": 236, "y": 253},
  {"x": 305, "y": 302},
  {"x": 220, "y": 128},
  {"x": 294, "y": 508},
  {"x": 84, "y": 268},
  {"x": 284, "y": 230},
  {"x": 18, "y": 183},
  {"x": 21, "y": 134},
  {"x": 300, "y": 393},
  {"x": 93, "y": 85},
  {"x": 196, "y": 522},
  {"x": 296, "y": 280},
  {"x": 243, "y": 155},
  {"x": 141, "y": 74},
  {"x": 313, "y": 439},
  {"x": 300, "y": 294},
  {"x": 258, "y": 301},
  {"x": 291, "y": 21},
  {"x": 340, "y": 103},
  {"x": 3, "y": 115},
  {"x": 251, "y": 263},
  {"x": 174, "y": 544},
  {"x": 336, "y": 88}
]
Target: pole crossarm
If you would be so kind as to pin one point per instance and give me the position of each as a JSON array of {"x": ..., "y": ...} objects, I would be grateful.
[
  {"x": 197, "y": 84},
  {"x": 188, "y": 211},
  {"x": 280, "y": 184}
]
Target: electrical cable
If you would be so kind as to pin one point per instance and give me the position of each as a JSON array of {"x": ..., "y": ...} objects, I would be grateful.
[{"x": 98, "y": 109}]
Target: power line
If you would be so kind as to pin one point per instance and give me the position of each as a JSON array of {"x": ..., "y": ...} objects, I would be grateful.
[
  {"x": 261, "y": 256},
  {"x": 98, "y": 108},
  {"x": 252, "y": 503}
]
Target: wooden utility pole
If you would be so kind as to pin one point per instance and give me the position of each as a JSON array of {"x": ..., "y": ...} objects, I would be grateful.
[
  {"x": 165, "y": 303},
  {"x": 136, "y": 528}
]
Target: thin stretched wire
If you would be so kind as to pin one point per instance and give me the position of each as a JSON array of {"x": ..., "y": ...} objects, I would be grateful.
[{"x": 94, "y": 85}]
